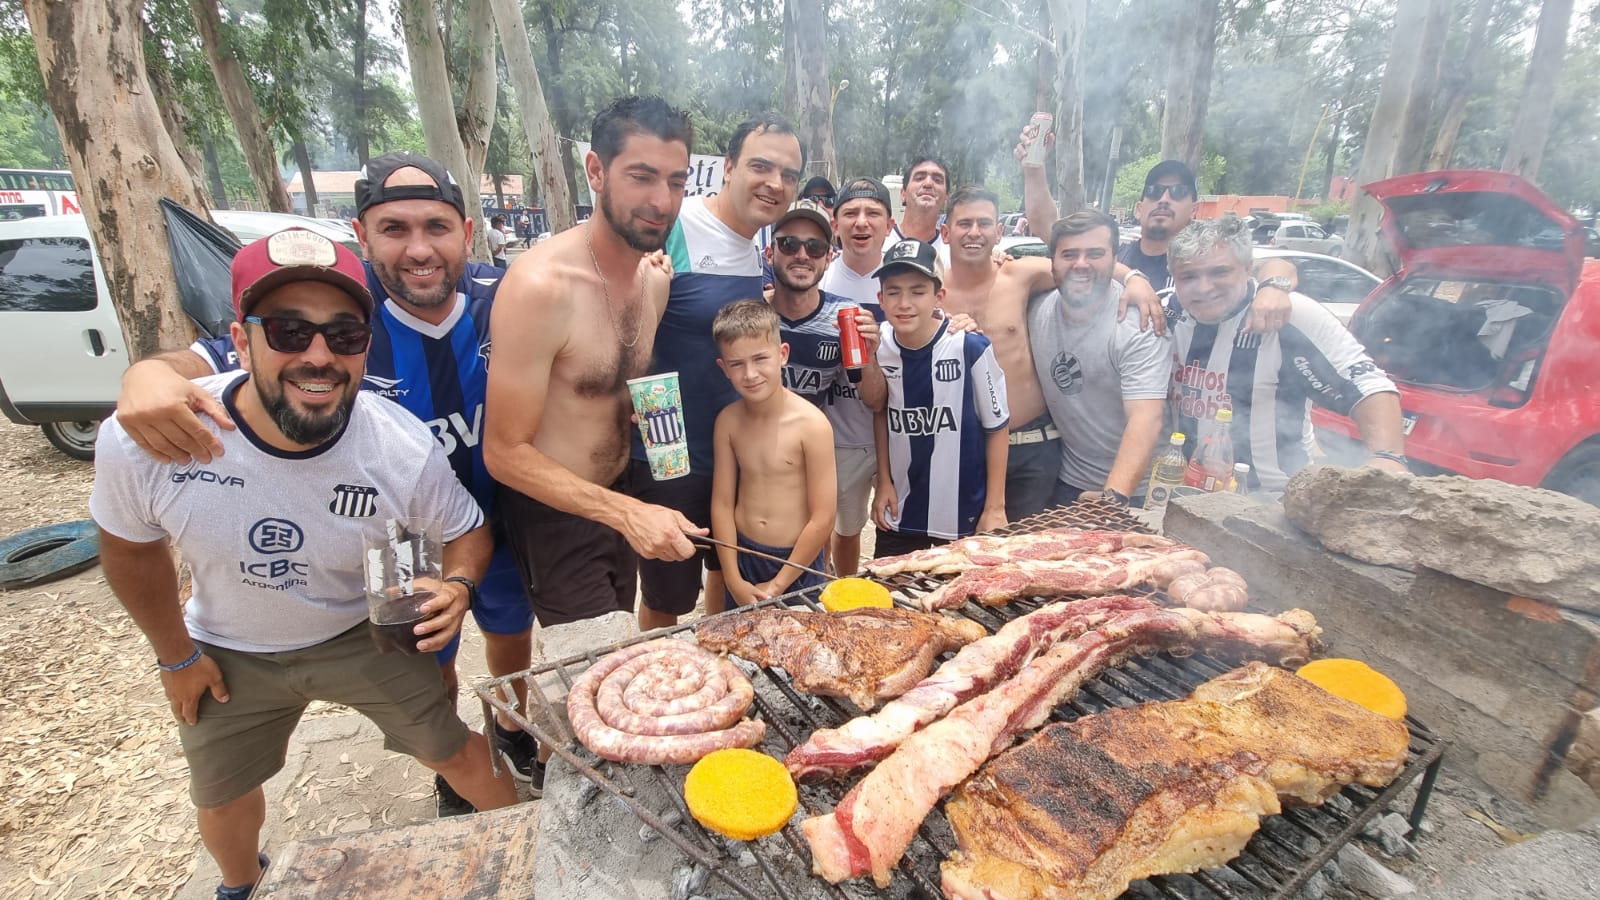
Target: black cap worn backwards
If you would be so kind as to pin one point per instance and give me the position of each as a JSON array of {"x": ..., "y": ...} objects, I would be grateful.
[
  {"x": 864, "y": 188},
  {"x": 371, "y": 191}
]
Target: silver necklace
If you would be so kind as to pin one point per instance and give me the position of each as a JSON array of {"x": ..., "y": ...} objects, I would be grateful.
[{"x": 605, "y": 290}]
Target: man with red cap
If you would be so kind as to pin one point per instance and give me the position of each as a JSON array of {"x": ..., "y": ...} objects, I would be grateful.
[{"x": 273, "y": 533}]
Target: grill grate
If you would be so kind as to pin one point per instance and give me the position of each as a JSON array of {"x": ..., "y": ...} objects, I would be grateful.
[{"x": 1279, "y": 860}]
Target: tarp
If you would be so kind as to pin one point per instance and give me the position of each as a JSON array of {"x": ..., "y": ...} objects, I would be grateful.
[{"x": 201, "y": 256}]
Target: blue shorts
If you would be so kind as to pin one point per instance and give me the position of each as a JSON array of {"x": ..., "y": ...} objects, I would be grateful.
[
  {"x": 502, "y": 606},
  {"x": 756, "y": 570}
]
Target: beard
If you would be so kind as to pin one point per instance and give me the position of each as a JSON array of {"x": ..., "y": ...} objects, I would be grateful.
[
  {"x": 1158, "y": 232},
  {"x": 395, "y": 284},
  {"x": 781, "y": 275},
  {"x": 303, "y": 427},
  {"x": 640, "y": 239},
  {"x": 1088, "y": 296}
]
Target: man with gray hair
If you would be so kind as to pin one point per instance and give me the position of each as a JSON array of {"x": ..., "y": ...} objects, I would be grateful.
[{"x": 1269, "y": 381}]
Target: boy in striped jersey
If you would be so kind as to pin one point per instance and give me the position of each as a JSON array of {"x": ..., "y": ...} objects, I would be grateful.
[{"x": 942, "y": 439}]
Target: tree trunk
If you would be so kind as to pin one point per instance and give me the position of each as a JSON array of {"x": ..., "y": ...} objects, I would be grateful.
[
  {"x": 1192, "y": 50},
  {"x": 1531, "y": 130},
  {"x": 547, "y": 172},
  {"x": 91, "y": 58},
  {"x": 302, "y": 158},
  {"x": 219, "y": 191},
  {"x": 807, "y": 86},
  {"x": 475, "y": 118},
  {"x": 1386, "y": 134},
  {"x": 259, "y": 155},
  {"x": 563, "y": 118},
  {"x": 1068, "y": 19},
  {"x": 1461, "y": 83},
  {"x": 360, "y": 142},
  {"x": 174, "y": 116},
  {"x": 1414, "y": 147},
  {"x": 436, "y": 108}
]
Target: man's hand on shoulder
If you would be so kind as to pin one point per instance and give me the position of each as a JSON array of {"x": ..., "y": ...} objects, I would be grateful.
[
  {"x": 1138, "y": 294},
  {"x": 159, "y": 409}
]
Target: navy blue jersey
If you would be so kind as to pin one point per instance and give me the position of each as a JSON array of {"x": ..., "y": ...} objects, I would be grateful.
[
  {"x": 814, "y": 368},
  {"x": 437, "y": 372}
]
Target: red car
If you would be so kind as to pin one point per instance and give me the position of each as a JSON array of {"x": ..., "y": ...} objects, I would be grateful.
[{"x": 1490, "y": 327}]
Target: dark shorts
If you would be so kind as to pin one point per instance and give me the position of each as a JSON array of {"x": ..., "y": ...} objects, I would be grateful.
[
  {"x": 894, "y": 543},
  {"x": 673, "y": 587},
  {"x": 236, "y": 746},
  {"x": 756, "y": 570},
  {"x": 1031, "y": 470},
  {"x": 575, "y": 568}
]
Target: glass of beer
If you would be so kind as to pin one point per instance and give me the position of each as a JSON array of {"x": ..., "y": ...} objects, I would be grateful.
[{"x": 402, "y": 565}]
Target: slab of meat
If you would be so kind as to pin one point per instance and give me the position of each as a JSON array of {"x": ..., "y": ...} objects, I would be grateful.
[
  {"x": 1082, "y": 574},
  {"x": 873, "y": 825},
  {"x": 662, "y": 701},
  {"x": 1083, "y": 809},
  {"x": 862, "y": 741},
  {"x": 992, "y": 550},
  {"x": 866, "y": 655}
]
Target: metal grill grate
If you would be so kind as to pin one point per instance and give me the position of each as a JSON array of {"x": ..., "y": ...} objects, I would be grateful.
[{"x": 1282, "y": 856}]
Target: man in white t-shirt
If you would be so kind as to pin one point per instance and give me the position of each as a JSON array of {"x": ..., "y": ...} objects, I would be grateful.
[
  {"x": 273, "y": 533},
  {"x": 498, "y": 239}
]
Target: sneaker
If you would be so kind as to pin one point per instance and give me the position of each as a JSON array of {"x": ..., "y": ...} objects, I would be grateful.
[
  {"x": 244, "y": 891},
  {"x": 450, "y": 802},
  {"x": 520, "y": 752}
]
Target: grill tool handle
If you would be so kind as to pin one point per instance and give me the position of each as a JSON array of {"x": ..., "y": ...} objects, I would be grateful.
[{"x": 735, "y": 547}]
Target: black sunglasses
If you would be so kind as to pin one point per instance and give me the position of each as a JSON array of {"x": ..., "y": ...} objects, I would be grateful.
[
  {"x": 346, "y": 337},
  {"x": 826, "y": 200},
  {"x": 789, "y": 245},
  {"x": 1179, "y": 192}
]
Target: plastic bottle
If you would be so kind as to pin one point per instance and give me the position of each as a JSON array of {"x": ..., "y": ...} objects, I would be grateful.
[
  {"x": 1166, "y": 473},
  {"x": 1241, "y": 478},
  {"x": 1211, "y": 467}
]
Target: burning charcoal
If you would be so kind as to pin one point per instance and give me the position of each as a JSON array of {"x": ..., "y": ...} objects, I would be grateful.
[
  {"x": 1339, "y": 803},
  {"x": 586, "y": 793},
  {"x": 1391, "y": 832},
  {"x": 1371, "y": 877},
  {"x": 671, "y": 818},
  {"x": 687, "y": 879},
  {"x": 747, "y": 860}
]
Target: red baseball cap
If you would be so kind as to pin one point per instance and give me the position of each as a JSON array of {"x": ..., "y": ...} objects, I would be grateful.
[{"x": 296, "y": 254}]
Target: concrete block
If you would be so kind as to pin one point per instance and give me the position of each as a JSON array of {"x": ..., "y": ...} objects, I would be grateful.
[{"x": 1553, "y": 866}]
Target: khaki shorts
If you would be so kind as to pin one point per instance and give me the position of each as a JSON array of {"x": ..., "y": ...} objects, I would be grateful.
[
  {"x": 238, "y": 745},
  {"x": 858, "y": 468}
]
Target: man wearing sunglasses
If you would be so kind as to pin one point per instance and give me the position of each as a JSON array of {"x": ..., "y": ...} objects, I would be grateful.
[{"x": 273, "y": 534}]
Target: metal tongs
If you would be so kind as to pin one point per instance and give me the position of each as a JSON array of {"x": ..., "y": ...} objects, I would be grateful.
[{"x": 707, "y": 539}]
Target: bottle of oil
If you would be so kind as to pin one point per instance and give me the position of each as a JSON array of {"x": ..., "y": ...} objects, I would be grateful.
[
  {"x": 1166, "y": 473},
  {"x": 1211, "y": 467}
]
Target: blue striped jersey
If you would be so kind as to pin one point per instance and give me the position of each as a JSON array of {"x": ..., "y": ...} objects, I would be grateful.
[
  {"x": 712, "y": 266},
  {"x": 437, "y": 372},
  {"x": 944, "y": 399},
  {"x": 850, "y": 418},
  {"x": 814, "y": 365}
]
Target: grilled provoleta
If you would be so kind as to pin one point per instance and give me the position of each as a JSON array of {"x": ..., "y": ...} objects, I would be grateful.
[
  {"x": 992, "y": 550},
  {"x": 1081, "y": 574},
  {"x": 1085, "y": 808},
  {"x": 864, "y": 654}
]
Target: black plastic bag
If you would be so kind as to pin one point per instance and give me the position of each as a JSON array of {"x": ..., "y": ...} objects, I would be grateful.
[{"x": 201, "y": 256}]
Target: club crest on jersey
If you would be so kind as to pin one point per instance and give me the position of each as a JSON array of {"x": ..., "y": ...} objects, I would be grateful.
[
  {"x": 947, "y": 370},
  {"x": 827, "y": 351},
  {"x": 1067, "y": 373},
  {"x": 354, "y": 501}
]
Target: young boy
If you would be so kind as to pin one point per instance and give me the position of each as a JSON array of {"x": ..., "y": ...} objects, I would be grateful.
[
  {"x": 772, "y": 483},
  {"x": 942, "y": 439}
]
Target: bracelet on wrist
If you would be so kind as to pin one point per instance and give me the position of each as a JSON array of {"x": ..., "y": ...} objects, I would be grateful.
[
  {"x": 1390, "y": 455},
  {"x": 178, "y": 667},
  {"x": 1134, "y": 273}
]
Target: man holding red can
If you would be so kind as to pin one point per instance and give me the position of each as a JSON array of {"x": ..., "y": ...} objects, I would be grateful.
[{"x": 814, "y": 323}]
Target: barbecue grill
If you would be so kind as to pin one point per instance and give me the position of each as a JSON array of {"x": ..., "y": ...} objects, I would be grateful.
[{"x": 1287, "y": 851}]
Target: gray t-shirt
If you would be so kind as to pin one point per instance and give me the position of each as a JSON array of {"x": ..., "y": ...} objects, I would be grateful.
[
  {"x": 274, "y": 538},
  {"x": 1086, "y": 370}
]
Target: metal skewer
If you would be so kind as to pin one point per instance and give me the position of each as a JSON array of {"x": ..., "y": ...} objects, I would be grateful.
[{"x": 716, "y": 543}]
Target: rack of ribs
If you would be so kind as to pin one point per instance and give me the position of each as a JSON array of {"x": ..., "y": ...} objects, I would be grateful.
[
  {"x": 1078, "y": 575},
  {"x": 873, "y": 825},
  {"x": 1085, "y": 808},
  {"x": 992, "y": 550},
  {"x": 866, "y": 655}
]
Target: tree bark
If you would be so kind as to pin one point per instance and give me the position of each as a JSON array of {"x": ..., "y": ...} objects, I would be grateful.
[
  {"x": 1412, "y": 154},
  {"x": 1192, "y": 50},
  {"x": 430, "y": 81},
  {"x": 174, "y": 116},
  {"x": 91, "y": 57},
  {"x": 562, "y": 118},
  {"x": 475, "y": 118},
  {"x": 219, "y": 191},
  {"x": 1068, "y": 19},
  {"x": 807, "y": 86},
  {"x": 302, "y": 159},
  {"x": 1531, "y": 130},
  {"x": 547, "y": 170},
  {"x": 360, "y": 141},
  {"x": 259, "y": 156},
  {"x": 1460, "y": 84}
]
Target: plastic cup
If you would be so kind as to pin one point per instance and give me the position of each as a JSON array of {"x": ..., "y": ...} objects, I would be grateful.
[
  {"x": 401, "y": 565},
  {"x": 658, "y": 402}
]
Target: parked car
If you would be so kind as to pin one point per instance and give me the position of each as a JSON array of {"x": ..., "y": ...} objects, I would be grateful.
[
  {"x": 1020, "y": 245},
  {"x": 1340, "y": 285},
  {"x": 1303, "y": 235},
  {"x": 1488, "y": 328},
  {"x": 248, "y": 226}
]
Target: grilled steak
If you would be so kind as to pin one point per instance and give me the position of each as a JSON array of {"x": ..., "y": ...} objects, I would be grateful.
[
  {"x": 1085, "y": 808},
  {"x": 864, "y": 654},
  {"x": 1081, "y": 574},
  {"x": 992, "y": 550}
]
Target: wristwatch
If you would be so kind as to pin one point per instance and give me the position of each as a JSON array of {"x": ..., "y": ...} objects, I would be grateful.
[
  {"x": 1281, "y": 282},
  {"x": 472, "y": 588}
]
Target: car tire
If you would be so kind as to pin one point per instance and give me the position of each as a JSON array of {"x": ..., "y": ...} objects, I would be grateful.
[
  {"x": 39, "y": 555},
  {"x": 1578, "y": 475},
  {"x": 75, "y": 439}
]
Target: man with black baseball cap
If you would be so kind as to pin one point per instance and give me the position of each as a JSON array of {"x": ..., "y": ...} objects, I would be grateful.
[
  {"x": 277, "y": 616},
  {"x": 430, "y": 354}
]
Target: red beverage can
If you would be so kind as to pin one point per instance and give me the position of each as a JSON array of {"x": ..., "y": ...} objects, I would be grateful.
[{"x": 852, "y": 348}]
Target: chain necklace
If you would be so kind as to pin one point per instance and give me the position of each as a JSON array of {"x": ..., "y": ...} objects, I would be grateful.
[{"x": 605, "y": 290}]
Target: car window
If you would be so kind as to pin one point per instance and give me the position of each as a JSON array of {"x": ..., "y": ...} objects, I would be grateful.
[
  {"x": 1293, "y": 231},
  {"x": 47, "y": 275},
  {"x": 1331, "y": 282},
  {"x": 1314, "y": 231}
]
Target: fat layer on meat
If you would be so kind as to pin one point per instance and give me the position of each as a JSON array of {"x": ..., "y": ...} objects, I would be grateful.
[
  {"x": 866, "y": 655},
  {"x": 992, "y": 550},
  {"x": 1083, "y": 809},
  {"x": 1081, "y": 574}
]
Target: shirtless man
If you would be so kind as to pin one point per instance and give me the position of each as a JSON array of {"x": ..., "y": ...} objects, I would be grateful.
[{"x": 576, "y": 318}]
